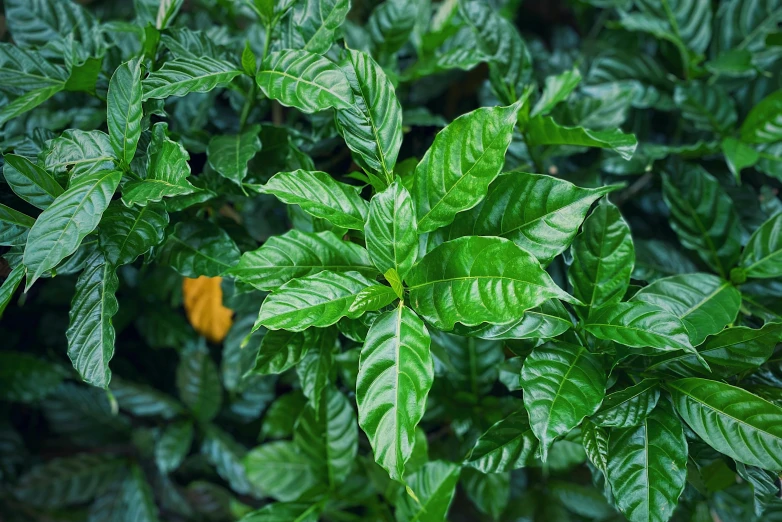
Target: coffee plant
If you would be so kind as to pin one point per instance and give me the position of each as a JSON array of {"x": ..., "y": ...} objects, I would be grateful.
[{"x": 401, "y": 260}]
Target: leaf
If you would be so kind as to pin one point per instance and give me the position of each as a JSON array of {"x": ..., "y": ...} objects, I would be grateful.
[
  {"x": 655, "y": 259},
  {"x": 647, "y": 466},
  {"x": 434, "y": 486},
  {"x": 639, "y": 325},
  {"x": 473, "y": 364},
  {"x": 296, "y": 254},
  {"x": 689, "y": 20},
  {"x": 764, "y": 484},
  {"x": 582, "y": 500},
  {"x": 707, "y": 107},
  {"x": 229, "y": 155},
  {"x": 315, "y": 368},
  {"x": 738, "y": 156},
  {"x": 703, "y": 217},
  {"x": 731, "y": 420},
  {"x": 489, "y": 492},
  {"x": 184, "y": 75},
  {"x": 227, "y": 456},
  {"x": 372, "y": 126},
  {"x": 304, "y": 80},
  {"x": 745, "y": 25},
  {"x": 280, "y": 471},
  {"x": 284, "y": 512},
  {"x": 124, "y": 110},
  {"x": 318, "y": 22},
  {"x": 26, "y": 102},
  {"x": 603, "y": 258},
  {"x": 474, "y": 280},
  {"x": 507, "y": 445},
  {"x": 30, "y": 182},
  {"x": 78, "y": 153},
  {"x": 390, "y": 230},
  {"x": 173, "y": 445},
  {"x": 38, "y": 23},
  {"x": 128, "y": 232},
  {"x": 373, "y": 298},
  {"x": 556, "y": 90},
  {"x": 11, "y": 283},
  {"x": 318, "y": 300},
  {"x": 26, "y": 378},
  {"x": 28, "y": 70},
  {"x": 562, "y": 383},
  {"x": 326, "y": 433},
  {"x": 198, "y": 382},
  {"x": 762, "y": 124},
  {"x": 543, "y": 130},
  {"x": 595, "y": 442},
  {"x": 395, "y": 374},
  {"x": 466, "y": 156},
  {"x": 143, "y": 401},
  {"x": 196, "y": 248},
  {"x": 14, "y": 226},
  {"x": 59, "y": 230},
  {"x": 762, "y": 257},
  {"x": 91, "y": 333},
  {"x": 730, "y": 352},
  {"x": 547, "y": 320},
  {"x": 203, "y": 300},
  {"x": 281, "y": 350},
  {"x": 629, "y": 407}
]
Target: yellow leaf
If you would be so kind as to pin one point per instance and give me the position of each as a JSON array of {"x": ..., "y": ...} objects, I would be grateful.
[{"x": 204, "y": 307}]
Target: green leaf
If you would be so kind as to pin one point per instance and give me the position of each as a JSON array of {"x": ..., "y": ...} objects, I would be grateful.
[
  {"x": 474, "y": 280},
  {"x": 466, "y": 156},
  {"x": 28, "y": 70},
  {"x": 318, "y": 194},
  {"x": 304, "y": 80},
  {"x": 77, "y": 153},
  {"x": 731, "y": 420},
  {"x": 603, "y": 258},
  {"x": 318, "y": 23},
  {"x": 473, "y": 364},
  {"x": 595, "y": 441},
  {"x": 707, "y": 107},
  {"x": 59, "y": 230},
  {"x": 509, "y": 444},
  {"x": 124, "y": 110},
  {"x": 764, "y": 485},
  {"x": 562, "y": 383},
  {"x": 703, "y": 216},
  {"x": 30, "y": 182},
  {"x": 14, "y": 226},
  {"x": 226, "y": 455},
  {"x": 730, "y": 352},
  {"x": 543, "y": 130},
  {"x": 128, "y": 232},
  {"x": 647, "y": 466},
  {"x": 26, "y": 102},
  {"x": 582, "y": 500},
  {"x": 296, "y": 254},
  {"x": 395, "y": 374},
  {"x": 391, "y": 232},
  {"x": 144, "y": 401},
  {"x": 26, "y": 378},
  {"x": 315, "y": 368},
  {"x": 434, "y": 486},
  {"x": 556, "y": 90},
  {"x": 762, "y": 257},
  {"x": 391, "y": 24},
  {"x": 229, "y": 155},
  {"x": 327, "y": 434},
  {"x": 629, "y": 407},
  {"x": 249, "y": 62},
  {"x": 10, "y": 285},
  {"x": 184, "y": 75},
  {"x": 373, "y": 298},
  {"x": 489, "y": 492},
  {"x": 280, "y": 471},
  {"x": 762, "y": 124},
  {"x": 41, "y": 22},
  {"x": 284, "y": 512},
  {"x": 318, "y": 300},
  {"x": 173, "y": 445},
  {"x": 372, "y": 126},
  {"x": 91, "y": 332},
  {"x": 745, "y": 25},
  {"x": 738, "y": 156},
  {"x": 198, "y": 382},
  {"x": 281, "y": 350},
  {"x": 547, "y": 320},
  {"x": 196, "y": 248}
]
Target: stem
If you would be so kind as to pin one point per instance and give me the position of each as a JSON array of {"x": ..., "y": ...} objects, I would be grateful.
[
  {"x": 533, "y": 155},
  {"x": 247, "y": 105},
  {"x": 267, "y": 41}
]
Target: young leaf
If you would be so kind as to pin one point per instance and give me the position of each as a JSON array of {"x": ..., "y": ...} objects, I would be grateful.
[
  {"x": 373, "y": 298},
  {"x": 434, "y": 486},
  {"x": 199, "y": 248},
  {"x": 556, "y": 90},
  {"x": 395, "y": 374},
  {"x": 124, "y": 110},
  {"x": 762, "y": 257},
  {"x": 198, "y": 382},
  {"x": 390, "y": 230},
  {"x": 443, "y": 284},
  {"x": 509, "y": 444},
  {"x": 30, "y": 182},
  {"x": 128, "y": 232},
  {"x": 543, "y": 130},
  {"x": 59, "y": 230},
  {"x": 229, "y": 155},
  {"x": 629, "y": 407},
  {"x": 562, "y": 383},
  {"x": 466, "y": 156},
  {"x": 185, "y": 75}
]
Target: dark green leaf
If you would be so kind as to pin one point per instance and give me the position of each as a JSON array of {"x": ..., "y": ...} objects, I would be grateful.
[
  {"x": 509, "y": 444},
  {"x": 173, "y": 445},
  {"x": 77, "y": 153},
  {"x": 543, "y": 130},
  {"x": 629, "y": 407},
  {"x": 762, "y": 257},
  {"x": 185, "y": 75},
  {"x": 707, "y": 107},
  {"x": 434, "y": 486},
  {"x": 198, "y": 382},
  {"x": 196, "y": 248},
  {"x": 128, "y": 232},
  {"x": 762, "y": 123},
  {"x": 124, "y": 110},
  {"x": 280, "y": 471},
  {"x": 14, "y": 226},
  {"x": 30, "y": 182},
  {"x": 229, "y": 155},
  {"x": 281, "y": 350}
]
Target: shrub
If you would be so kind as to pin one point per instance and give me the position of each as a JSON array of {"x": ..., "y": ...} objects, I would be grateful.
[{"x": 391, "y": 260}]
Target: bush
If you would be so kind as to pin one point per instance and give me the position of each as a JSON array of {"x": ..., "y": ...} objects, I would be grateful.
[{"x": 499, "y": 277}]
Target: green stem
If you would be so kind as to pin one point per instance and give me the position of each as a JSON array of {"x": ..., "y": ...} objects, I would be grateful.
[
  {"x": 247, "y": 106},
  {"x": 533, "y": 154}
]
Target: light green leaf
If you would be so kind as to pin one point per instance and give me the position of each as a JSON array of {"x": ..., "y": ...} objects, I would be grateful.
[
  {"x": 509, "y": 444},
  {"x": 198, "y": 382},
  {"x": 391, "y": 231},
  {"x": 77, "y": 153},
  {"x": 738, "y": 156},
  {"x": 198, "y": 247},
  {"x": 474, "y": 280},
  {"x": 124, "y": 110},
  {"x": 556, "y": 90},
  {"x": 10, "y": 285},
  {"x": 229, "y": 155},
  {"x": 705, "y": 303},
  {"x": 763, "y": 124},
  {"x": 647, "y": 466},
  {"x": 373, "y": 298},
  {"x": 603, "y": 258},
  {"x": 298, "y": 254},
  {"x": 547, "y": 320},
  {"x": 396, "y": 282},
  {"x": 562, "y": 383},
  {"x": 434, "y": 486},
  {"x": 304, "y": 80},
  {"x": 278, "y": 470},
  {"x": 184, "y": 75},
  {"x": 91, "y": 332},
  {"x": 128, "y": 232},
  {"x": 707, "y": 107},
  {"x": 318, "y": 300},
  {"x": 173, "y": 445},
  {"x": 281, "y": 350},
  {"x": 396, "y": 371},
  {"x": 59, "y": 230},
  {"x": 466, "y": 156},
  {"x": 762, "y": 257},
  {"x": 318, "y": 194},
  {"x": 30, "y": 182},
  {"x": 543, "y": 130},
  {"x": 629, "y": 407},
  {"x": 731, "y": 420}
]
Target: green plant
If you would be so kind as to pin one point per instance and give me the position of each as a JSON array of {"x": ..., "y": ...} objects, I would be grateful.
[{"x": 545, "y": 269}]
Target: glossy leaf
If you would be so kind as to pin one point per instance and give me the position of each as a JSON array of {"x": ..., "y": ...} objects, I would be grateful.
[
  {"x": 196, "y": 248},
  {"x": 14, "y": 226},
  {"x": 281, "y": 350},
  {"x": 708, "y": 107},
  {"x": 595, "y": 441},
  {"x": 547, "y": 320},
  {"x": 77, "y": 153},
  {"x": 762, "y": 124},
  {"x": 434, "y": 486},
  {"x": 30, "y": 182},
  {"x": 556, "y": 90},
  {"x": 11, "y": 283},
  {"x": 390, "y": 230},
  {"x": 509, "y": 444},
  {"x": 185, "y": 75},
  {"x": 373, "y": 298},
  {"x": 318, "y": 22},
  {"x": 128, "y": 232},
  {"x": 124, "y": 110},
  {"x": 629, "y": 407},
  {"x": 762, "y": 257},
  {"x": 280, "y": 471},
  {"x": 229, "y": 155},
  {"x": 543, "y": 130},
  {"x": 173, "y": 445},
  {"x": 198, "y": 382}
]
